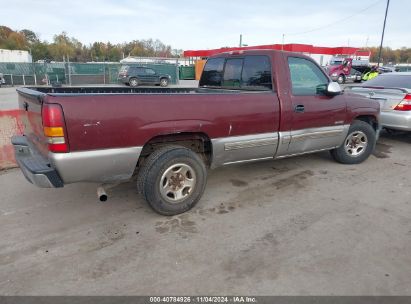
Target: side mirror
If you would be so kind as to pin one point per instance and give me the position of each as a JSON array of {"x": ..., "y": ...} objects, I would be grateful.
[{"x": 333, "y": 89}]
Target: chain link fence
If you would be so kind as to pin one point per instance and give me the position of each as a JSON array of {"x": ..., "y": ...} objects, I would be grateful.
[{"x": 70, "y": 73}]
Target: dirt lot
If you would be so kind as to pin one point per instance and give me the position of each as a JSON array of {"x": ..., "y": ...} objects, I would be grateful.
[{"x": 304, "y": 225}]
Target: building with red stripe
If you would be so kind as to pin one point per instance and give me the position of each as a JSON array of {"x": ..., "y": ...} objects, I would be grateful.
[{"x": 321, "y": 54}]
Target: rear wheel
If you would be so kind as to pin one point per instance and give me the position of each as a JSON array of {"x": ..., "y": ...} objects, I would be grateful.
[
  {"x": 172, "y": 180},
  {"x": 163, "y": 82},
  {"x": 133, "y": 82},
  {"x": 358, "y": 145}
]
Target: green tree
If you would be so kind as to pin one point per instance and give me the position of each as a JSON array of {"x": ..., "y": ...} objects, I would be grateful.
[
  {"x": 62, "y": 47},
  {"x": 40, "y": 51},
  {"x": 30, "y": 36}
]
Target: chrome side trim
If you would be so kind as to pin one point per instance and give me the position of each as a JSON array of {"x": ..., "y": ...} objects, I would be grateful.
[
  {"x": 235, "y": 149},
  {"x": 315, "y": 135},
  {"x": 250, "y": 143},
  {"x": 105, "y": 166}
]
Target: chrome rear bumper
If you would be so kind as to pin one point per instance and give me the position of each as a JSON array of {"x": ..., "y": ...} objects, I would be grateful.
[{"x": 34, "y": 166}]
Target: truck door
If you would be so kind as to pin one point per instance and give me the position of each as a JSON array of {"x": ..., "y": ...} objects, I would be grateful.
[{"x": 317, "y": 119}]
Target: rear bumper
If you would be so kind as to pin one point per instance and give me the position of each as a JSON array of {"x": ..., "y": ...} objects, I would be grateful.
[
  {"x": 99, "y": 166},
  {"x": 34, "y": 166},
  {"x": 396, "y": 120}
]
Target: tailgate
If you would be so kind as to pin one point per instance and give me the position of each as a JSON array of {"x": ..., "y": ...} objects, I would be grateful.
[
  {"x": 388, "y": 98},
  {"x": 30, "y": 102}
]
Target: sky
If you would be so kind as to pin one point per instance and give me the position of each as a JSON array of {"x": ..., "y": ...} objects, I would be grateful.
[{"x": 194, "y": 25}]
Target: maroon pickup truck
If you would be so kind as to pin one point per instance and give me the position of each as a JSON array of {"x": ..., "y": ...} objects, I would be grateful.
[{"x": 249, "y": 106}]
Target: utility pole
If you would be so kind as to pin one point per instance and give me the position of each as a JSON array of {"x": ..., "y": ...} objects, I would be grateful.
[
  {"x": 241, "y": 40},
  {"x": 383, "y": 30}
]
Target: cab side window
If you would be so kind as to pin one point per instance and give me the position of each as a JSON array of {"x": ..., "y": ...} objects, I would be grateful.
[
  {"x": 306, "y": 77},
  {"x": 246, "y": 73}
]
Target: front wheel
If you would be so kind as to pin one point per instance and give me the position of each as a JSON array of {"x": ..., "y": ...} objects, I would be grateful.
[
  {"x": 341, "y": 79},
  {"x": 173, "y": 180},
  {"x": 358, "y": 145}
]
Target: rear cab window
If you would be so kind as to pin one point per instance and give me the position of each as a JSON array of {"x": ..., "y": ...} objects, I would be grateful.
[
  {"x": 251, "y": 72},
  {"x": 212, "y": 75}
]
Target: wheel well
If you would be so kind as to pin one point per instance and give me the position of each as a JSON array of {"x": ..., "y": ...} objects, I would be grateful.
[
  {"x": 371, "y": 120},
  {"x": 197, "y": 142}
]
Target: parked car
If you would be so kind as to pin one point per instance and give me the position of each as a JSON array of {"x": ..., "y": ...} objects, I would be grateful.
[
  {"x": 139, "y": 75},
  {"x": 403, "y": 67},
  {"x": 386, "y": 69},
  {"x": 393, "y": 92},
  {"x": 249, "y": 106}
]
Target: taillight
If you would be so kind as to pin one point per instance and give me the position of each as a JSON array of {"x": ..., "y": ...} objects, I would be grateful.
[
  {"x": 405, "y": 104},
  {"x": 53, "y": 127}
]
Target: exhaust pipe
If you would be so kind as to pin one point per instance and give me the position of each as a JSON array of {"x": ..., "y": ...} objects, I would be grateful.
[{"x": 101, "y": 194}]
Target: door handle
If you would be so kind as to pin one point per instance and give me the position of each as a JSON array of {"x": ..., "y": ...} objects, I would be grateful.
[{"x": 299, "y": 109}]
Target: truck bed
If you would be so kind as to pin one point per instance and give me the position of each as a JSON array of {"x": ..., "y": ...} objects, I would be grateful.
[
  {"x": 116, "y": 117},
  {"x": 110, "y": 90},
  {"x": 124, "y": 90}
]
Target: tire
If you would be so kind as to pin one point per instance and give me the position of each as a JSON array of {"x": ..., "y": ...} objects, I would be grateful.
[
  {"x": 341, "y": 79},
  {"x": 172, "y": 180},
  {"x": 133, "y": 82},
  {"x": 163, "y": 82},
  {"x": 358, "y": 144}
]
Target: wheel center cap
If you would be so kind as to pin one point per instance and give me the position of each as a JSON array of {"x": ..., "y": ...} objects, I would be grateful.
[
  {"x": 355, "y": 142},
  {"x": 177, "y": 181}
]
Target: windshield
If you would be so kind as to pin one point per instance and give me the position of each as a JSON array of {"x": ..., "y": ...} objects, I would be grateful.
[
  {"x": 390, "y": 81},
  {"x": 336, "y": 62}
]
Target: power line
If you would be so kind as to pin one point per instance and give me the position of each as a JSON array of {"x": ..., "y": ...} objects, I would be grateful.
[{"x": 335, "y": 22}]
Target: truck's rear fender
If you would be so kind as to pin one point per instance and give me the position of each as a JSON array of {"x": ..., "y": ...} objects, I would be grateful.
[{"x": 198, "y": 142}]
